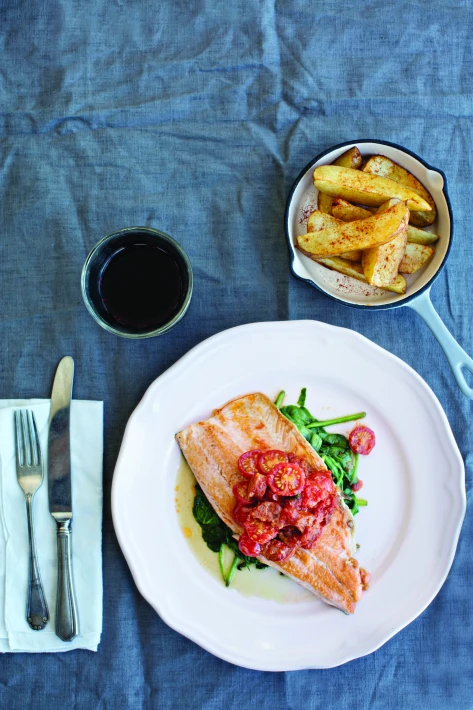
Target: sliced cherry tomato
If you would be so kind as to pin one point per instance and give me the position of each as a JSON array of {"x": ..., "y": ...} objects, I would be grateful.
[
  {"x": 303, "y": 463},
  {"x": 310, "y": 536},
  {"x": 269, "y": 459},
  {"x": 312, "y": 495},
  {"x": 277, "y": 551},
  {"x": 286, "y": 479},
  {"x": 247, "y": 463},
  {"x": 329, "y": 506},
  {"x": 310, "y": 529},
  {"x": 291, "y": 536},
  {"x": 323, "y": 479},
  {"x": 241, "y": 512},
  {"x": 291, "y": 511},
  {"x": 240, "y": 491},
  {"x": 249, "y": 547},
  {"x": 267, "y": 511},
  {"x": 304, "y": 521},
  {"x": 257, "y": 486},
  {"x": 317, "y": 489},
  {"x": 273, "y": 497},
  {"x": 362, "y": 440},
  {"x": 259, "y": 530},
  {"x": 356, "y": 486},
  {"x": 324, "y": 510}
]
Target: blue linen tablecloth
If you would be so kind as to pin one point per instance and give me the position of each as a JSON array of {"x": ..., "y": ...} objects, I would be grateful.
[{"x": 195, "y": 118}]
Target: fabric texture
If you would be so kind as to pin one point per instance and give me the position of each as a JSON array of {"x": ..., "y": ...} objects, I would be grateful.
[
  {"x": 196, "y": 118},
  {"x": 87, "y": 503}
]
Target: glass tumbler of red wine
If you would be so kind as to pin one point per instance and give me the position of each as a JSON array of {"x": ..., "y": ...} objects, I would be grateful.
[{"x": 137, "y": 282}]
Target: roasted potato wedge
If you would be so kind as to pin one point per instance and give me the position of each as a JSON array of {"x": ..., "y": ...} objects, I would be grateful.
[
  {"x": 359, "y": 186},
  {"x": 415, "y": 257},
  {"x": 418, "y": 236},
  {"x": 350, "y": 159},
  {"x": 319, "y": 220},
  {"x": 341, "y": 209},
  {"x": 384, "y": 167},
  {"x": 324, "y": 203},
  {"x": 353, "y": 255},
  {"x": 356, "y": 271},
  {"x": 339, "y": 237},
  {"x": 381, "y": 264},
  {"x": 348, "y": 213}
]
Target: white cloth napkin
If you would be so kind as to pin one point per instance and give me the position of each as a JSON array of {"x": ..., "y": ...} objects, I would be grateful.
[{"x": 86, "y": 460}]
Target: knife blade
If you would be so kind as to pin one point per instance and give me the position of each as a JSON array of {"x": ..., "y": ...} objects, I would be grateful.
[{"x": 60, "y": 496}]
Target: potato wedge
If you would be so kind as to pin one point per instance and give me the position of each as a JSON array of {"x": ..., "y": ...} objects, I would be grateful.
[
  {"x": 324, "y": 203},
  {"x": 320, "y": 220},
  {"x": 354, "y": 255},
  {"x": 384, "y": 167},
  {"x": 415, "y": 257},
  {"x": 356, "y": 272},
  {"x": 339, "y": 237},
  {"x": 341, "y": 209},
  {"x": 418, "y": 236},
  {"x": 348, "y": 213},
  {"x": 359, "y": 186},
  {"x": 350, "y": 159},
  {"x": 381, "y": 264}
]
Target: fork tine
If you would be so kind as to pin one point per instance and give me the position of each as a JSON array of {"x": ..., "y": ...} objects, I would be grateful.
[
  {"x": 18, "y": 440},
  {"x": 26, "y": 441},
  {"x": 34, "y": 438}
]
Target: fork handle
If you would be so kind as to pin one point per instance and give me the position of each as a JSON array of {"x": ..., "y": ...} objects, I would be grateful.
[
  {"x": 37, "y": 613},
  {"x": 67, "y": 623}
]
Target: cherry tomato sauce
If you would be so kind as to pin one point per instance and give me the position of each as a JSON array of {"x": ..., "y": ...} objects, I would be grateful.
[{"x": 281, "y": 503}]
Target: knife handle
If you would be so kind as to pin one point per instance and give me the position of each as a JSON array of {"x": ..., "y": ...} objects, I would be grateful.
[{"x": 67, "y": 623}]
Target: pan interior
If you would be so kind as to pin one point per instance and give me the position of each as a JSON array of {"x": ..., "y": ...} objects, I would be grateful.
[{"x": 304, "y": 200}]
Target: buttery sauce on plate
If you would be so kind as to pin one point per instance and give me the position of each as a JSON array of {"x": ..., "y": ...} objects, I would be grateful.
[{"x": 264, "y": 583}]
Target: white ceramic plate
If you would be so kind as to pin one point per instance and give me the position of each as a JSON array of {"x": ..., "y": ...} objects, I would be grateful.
[
  {"x": 414, "y": 482},
  {"x": 303, "y": 200}
]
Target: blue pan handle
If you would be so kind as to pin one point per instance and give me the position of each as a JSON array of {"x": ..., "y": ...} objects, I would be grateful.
[{"x": 456, "y": 356}]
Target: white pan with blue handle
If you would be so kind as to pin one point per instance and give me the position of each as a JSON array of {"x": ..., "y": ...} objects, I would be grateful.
[{"x": 303, "y": 199}]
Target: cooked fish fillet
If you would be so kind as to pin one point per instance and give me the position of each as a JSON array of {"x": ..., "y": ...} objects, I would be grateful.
[{"x": 212, "y": 448}]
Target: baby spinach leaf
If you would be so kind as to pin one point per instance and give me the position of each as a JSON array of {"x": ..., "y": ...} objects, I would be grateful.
[
  {"x": 315, "y": 441},
  {"x": 337, "y": 440},
  {"x": 215, "y": 533},
  {"x": 334, "y": 449},
  {"x": 202, "y": 510}
]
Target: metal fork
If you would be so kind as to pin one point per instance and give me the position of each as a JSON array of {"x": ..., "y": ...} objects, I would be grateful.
[{"x": 29, "y": 471}]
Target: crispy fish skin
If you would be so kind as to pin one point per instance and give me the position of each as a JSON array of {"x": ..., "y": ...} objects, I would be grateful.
[{"x": 212, "y": 448}]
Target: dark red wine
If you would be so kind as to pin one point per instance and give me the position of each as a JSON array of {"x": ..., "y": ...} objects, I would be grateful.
[{"x": 141, "y": 286}]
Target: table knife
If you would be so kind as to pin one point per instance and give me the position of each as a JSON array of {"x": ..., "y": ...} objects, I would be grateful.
[{"x": 60, "y": 498}]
